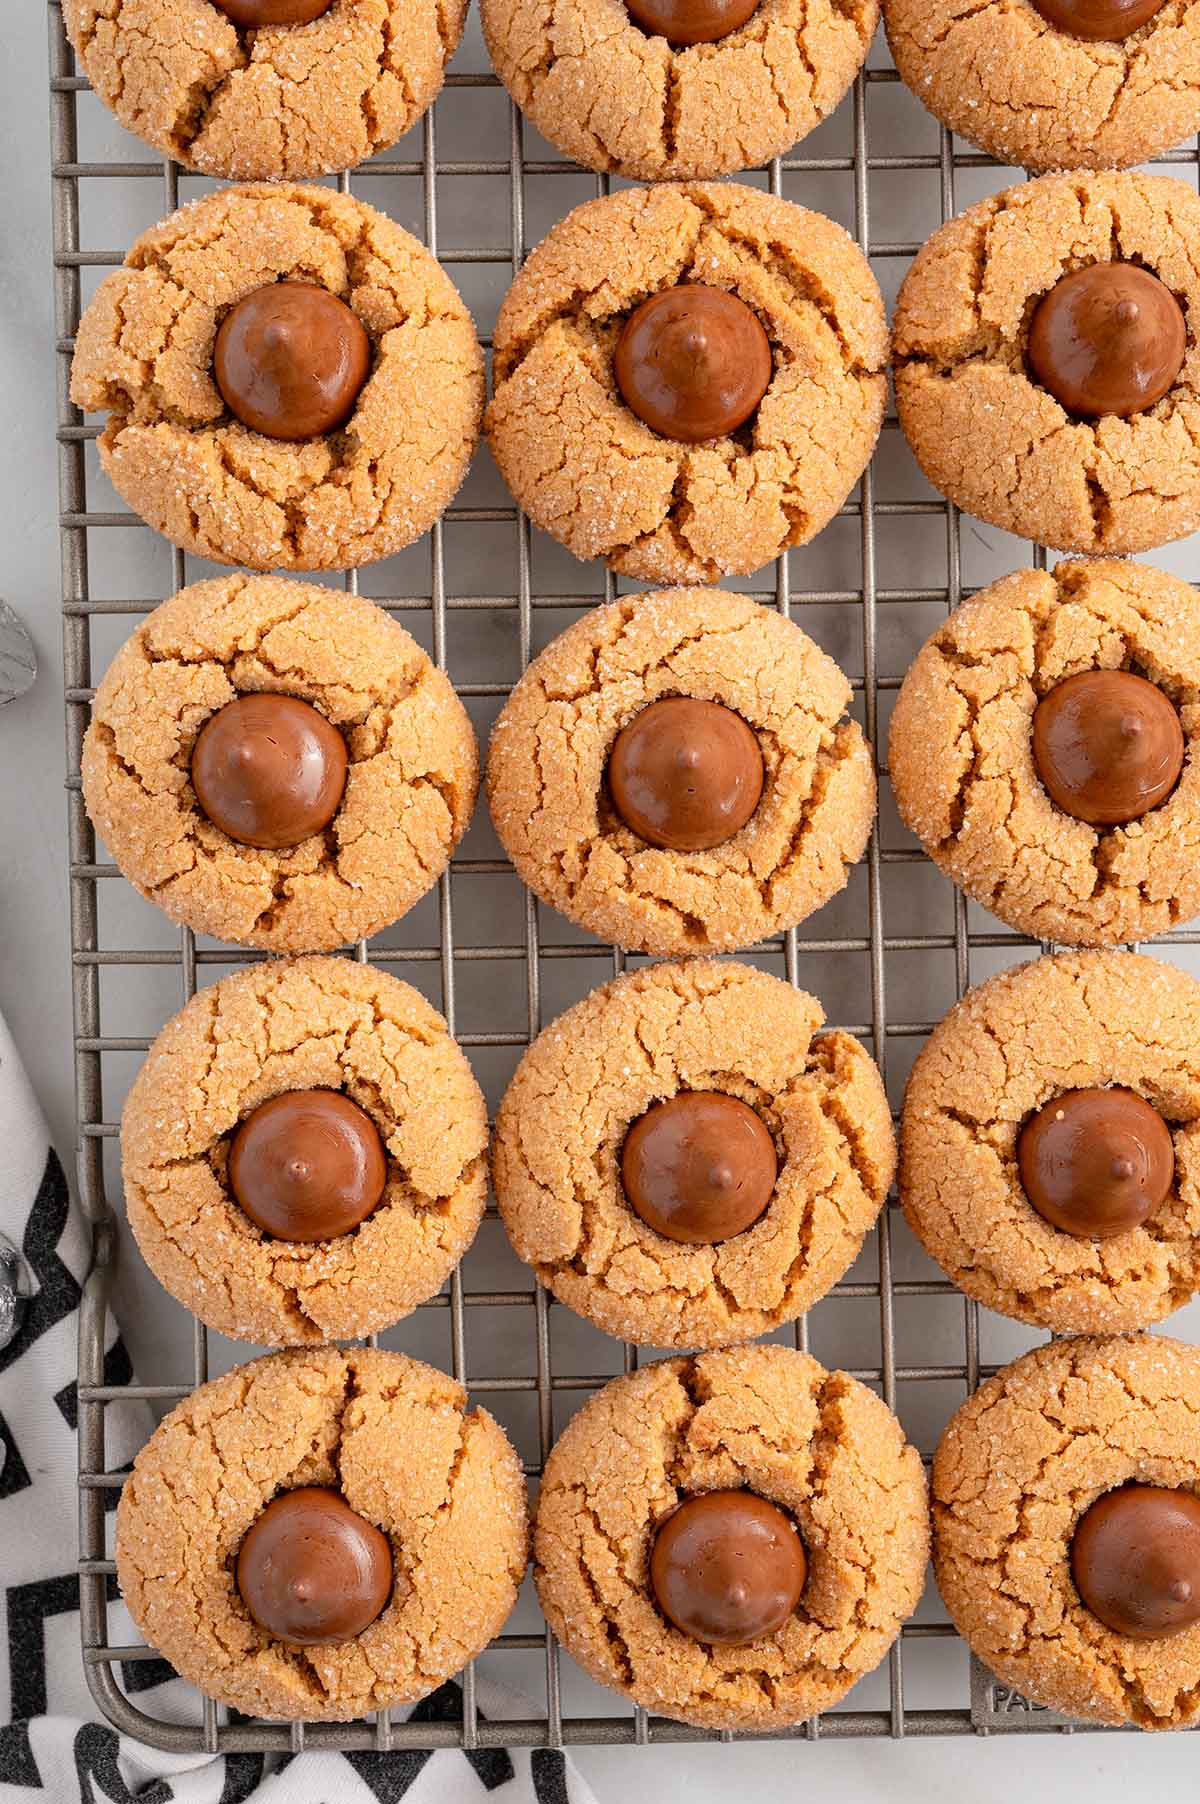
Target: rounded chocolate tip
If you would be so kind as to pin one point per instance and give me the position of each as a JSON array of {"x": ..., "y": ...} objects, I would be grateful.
[
  {"x": 684, "y": 22},
  {"x": 312, "y": 1571},
  {"x": 253, "y": 14},
  {"x": 1098, "y": 20},
  {"x": 1108, "y": 746},
  {"x": 307, "y": 1165},
  {"x": 1135, "y": 1559},
  {"x": 1107, "y": 339},
  {"x": 290, "y": 360},
  {"x": 1096, "y": 1163},
  {"x": 269, "y": 770},
  {"x": 699, "y": 1167},
  {"x": 693, "y": 362},
  {"x": 727, "y": 1567},
  {"x": 685, "y": 775}
]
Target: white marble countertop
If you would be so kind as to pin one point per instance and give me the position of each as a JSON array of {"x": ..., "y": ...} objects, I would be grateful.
[{"x": 35, "y": 996}]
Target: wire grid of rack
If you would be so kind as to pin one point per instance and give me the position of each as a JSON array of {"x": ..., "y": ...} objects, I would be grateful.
[{"x": 978, "y": 1704}]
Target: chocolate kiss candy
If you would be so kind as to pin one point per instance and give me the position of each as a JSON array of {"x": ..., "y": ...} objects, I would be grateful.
[
  {"x": 685, "y": 774},
  {"x": 307, "y": 1165},
  {"x": 290, "y": 360},
  {"x": 684, "y": 22},
  {"x": 1135, "y": 1559},
  {"x": 1108, "y": 746},
  {"x": 251, "y": 14},
  {"x": 693, "y": 362},
  {"x": 269, "y": 770},
  {"x": 1107, "y": 339},
  {"x": 727, "y": 1567},
  {"x": 1096, "y": 1163},
  {"x": 312, "y": 1571},
  {"x": 1098, "y": 20},
  {"x": 699, "y": 1168}
]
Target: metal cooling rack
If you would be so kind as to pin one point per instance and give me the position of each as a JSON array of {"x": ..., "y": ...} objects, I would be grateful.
[{"x": 963, "y": 1698}]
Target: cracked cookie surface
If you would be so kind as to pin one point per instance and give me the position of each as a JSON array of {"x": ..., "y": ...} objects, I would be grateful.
[
  {"x": 178, "y": 457},
  {"x": 280, "y": 101},
  {"x": 622, "y": 102},
  {"x": 651, "y": 1035},
  {"x": 1018, "y": 1466},
  {"x": 1002, "y": 76},
  {"x": 992, "y": 438},
  {"x": 960, "y": 754},
  {"x": 303, "y": 1024},
  {"x": 441, "y": 1481},
  {"x": 549, "y": 752},
  {"x": 410, "y": 787},
  {"x": 1076, "y": 1021},
  {"x": 588, "y": 471},
  {"x": 816, "y": 1443}
]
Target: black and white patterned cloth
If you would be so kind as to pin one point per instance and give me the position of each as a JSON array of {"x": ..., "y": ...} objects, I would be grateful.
[{"x": 50, "y": 1739}]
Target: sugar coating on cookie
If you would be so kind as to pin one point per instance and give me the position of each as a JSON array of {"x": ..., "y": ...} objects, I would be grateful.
[
  {"x": 624, "y": 102},
  {"x": 817, "y": 1444},
  {"x": 962, "y": 763},
  {"x": 652, "y": 1035},
  {"x": 283, "y": 101},
  {"x": 1004, "y": 78},
  {"x": 174, "y": 452},
  {"x": 550, "y": 746},
  {"x": 410, "y": 788},
  {"x": 303, "y": 1024},
  {"x": 587, "y": 470},
  {"x": 991, "y": 437},
  {"x": 1076, "y": 1021},
  {"x": 1017, "y": 1468},
  {"x": 395, "y": 1436}
]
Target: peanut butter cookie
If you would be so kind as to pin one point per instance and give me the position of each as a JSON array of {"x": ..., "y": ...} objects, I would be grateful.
[
  {"x": 675, "y": 773},
  {"x": 291, "y": 381},
  {"x": 244, "y": 89},
  {"x": 307, "y": 1458},
  {"x": 580, "y": 370},
  {"x": 1068, "y": 1485},
  {"x": 633, "y": 91},
  {"x": 686, "y": 1161},
  {"x": 1064, "y": 84},
  {"x": 755, "y": 1458},
  {"x": 258, "y": 855},
  {"x": 1041, "y": 750},
  {"x": 1050, "y": 1142},
  {"x": 231, "y": 1114},
  {"x": 1046, "y": 360}
]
